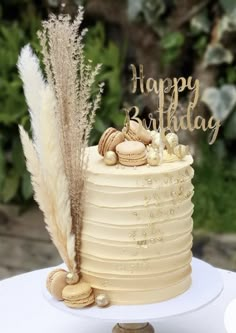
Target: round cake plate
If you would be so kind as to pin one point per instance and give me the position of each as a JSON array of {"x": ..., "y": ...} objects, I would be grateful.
[{"x": 207, "y": 285}]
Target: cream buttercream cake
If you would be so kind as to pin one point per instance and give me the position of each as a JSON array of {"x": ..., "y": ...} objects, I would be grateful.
[
  {"x": 121, "y": 220},
  {"x": 136, "y": 238}
]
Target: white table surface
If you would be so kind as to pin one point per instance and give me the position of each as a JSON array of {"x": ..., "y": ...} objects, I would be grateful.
[{"x": 23, "y": 309}]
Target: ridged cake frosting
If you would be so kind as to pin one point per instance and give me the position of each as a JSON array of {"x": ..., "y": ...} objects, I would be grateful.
[{"x": 137, "y": 230}]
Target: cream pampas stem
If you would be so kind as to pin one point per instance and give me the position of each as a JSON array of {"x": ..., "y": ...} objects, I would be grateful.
[
  {"x": 41, "y": 194},
  {"x": 33, "y": 83},
  {"x": 72, "y": 78},
  {"x": 49, "y": 181},
  {"x": 62, "y": 113}
]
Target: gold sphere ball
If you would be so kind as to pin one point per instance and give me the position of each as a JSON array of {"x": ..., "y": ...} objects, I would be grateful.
[
  {"x": 102, "y": 300},
  {"x": 172, "y": 139},
  {"x": 153, "y": 158},
  {"x": 156, "y": 140},
  {"x": 181, "y": 151},
  {"x": 153, "y": 133},
  {"x": 110, "y": 158},
  {"x": 72, "y": 278}
]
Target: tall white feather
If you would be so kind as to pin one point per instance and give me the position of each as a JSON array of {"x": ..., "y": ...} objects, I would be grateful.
[
  {"x": 49, "y": 180},
  {"x": 34, "y": 84}
]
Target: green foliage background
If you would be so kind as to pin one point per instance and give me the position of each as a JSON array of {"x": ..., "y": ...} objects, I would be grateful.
[
  {"x": 15, "y": 183},
  {"x": 14, "y": 179},
  {"x": 215, "y": 172}
]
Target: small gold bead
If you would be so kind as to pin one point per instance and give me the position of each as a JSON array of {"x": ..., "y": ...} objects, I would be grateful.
[
  {"x": 172, "y": 139},
  {"x": 72, "y": 278},
  {"x": 181, "y": 151},
  {"x": 153, "y": 158},
  {"x": 110, "y": 158},
  {"x": 102, "y": 300}
]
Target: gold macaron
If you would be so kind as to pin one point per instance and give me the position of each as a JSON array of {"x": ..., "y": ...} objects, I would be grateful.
[
  {"x": 78, "y": 295},
  {"x": 109, "y": 140},
  {"x": 131, "y": 153},
  {"x": 136, "y": 132},
  {"x": 56, "y": 282}
]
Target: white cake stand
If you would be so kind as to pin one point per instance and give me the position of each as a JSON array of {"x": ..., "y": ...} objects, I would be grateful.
[{"x": 207, "y": 285}]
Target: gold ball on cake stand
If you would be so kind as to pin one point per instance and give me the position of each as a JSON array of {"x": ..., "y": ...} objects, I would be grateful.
[
  {"x": 102, "y": 300},
  {"x": 153, "y": 157},
  {"x": 110, "y": 158},
  {"x": 72, "y": 278}
]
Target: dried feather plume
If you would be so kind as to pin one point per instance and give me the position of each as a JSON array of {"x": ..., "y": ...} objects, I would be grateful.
[{"x": 62, "y": 113}]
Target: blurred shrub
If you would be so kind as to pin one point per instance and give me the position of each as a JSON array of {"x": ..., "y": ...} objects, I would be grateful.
[
  {"x": 215, "y": 193},
  {"x": 14, "y": 179},
  {"x": 108, "y": 54}
]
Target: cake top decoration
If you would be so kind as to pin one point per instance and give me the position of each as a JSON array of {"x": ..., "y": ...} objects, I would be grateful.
[{"x": 165, "y": 118}]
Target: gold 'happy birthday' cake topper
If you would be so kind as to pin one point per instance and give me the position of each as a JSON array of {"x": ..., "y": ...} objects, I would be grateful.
[{"x": 166, "y": 119}]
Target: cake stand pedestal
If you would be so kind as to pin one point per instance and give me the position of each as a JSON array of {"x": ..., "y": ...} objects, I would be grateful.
[
  {"x": 206, "y": 286},
  {"x": 133, "y": 328}
]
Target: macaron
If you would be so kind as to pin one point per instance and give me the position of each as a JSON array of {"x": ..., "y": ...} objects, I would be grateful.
[
  {"x": 78, "y": 295},
  {"x": 56, "y": 282},
  {"x": 136, "y": 132},
  {"x": 131, "y": 153},
  {"x": 109, "y": 140}
]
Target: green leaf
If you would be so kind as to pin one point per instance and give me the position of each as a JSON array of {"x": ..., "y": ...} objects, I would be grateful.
[
  {"x": 170, "y": 56},
  {"x": 118, "y": 118},
  {"x": 201, "y": 22},
  {"x": 18, "y": 156},
  {"x": 231, "y": 74},
  {"x": 228, "y": 5},
  {"x": 227, "y": 24},
  {"x": 112, "y": 55},
  {"x": 134, "y": 8},
  {"x": 230, "y": 126},
  {"x": 10, "y": 186},
  {"x": 2, "y": 166},
  {"x": 153, "y": 11},
  {"x": 172, "y": 40},
  {"x": 200, "y": 45},
  {"x": 216, "y": 54},
  {"x": 220, "y": 150},
  {"x": 26, "y": 187},
  {"x": 99, "y": 125},
  {"x": 220, "y": 101}
]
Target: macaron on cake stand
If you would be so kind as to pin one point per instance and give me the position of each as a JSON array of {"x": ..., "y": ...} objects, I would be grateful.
[{"x": 207, "y": 285}]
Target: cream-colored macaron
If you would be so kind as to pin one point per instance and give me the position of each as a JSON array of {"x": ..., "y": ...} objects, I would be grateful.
[
  {"x": 56, "y": 282},
  {"x": 136, "y": 132},
  {"x": 109, "y": 140},
  {"x": 131, "y": 153},
  {"x": 78, "y": 295}
]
